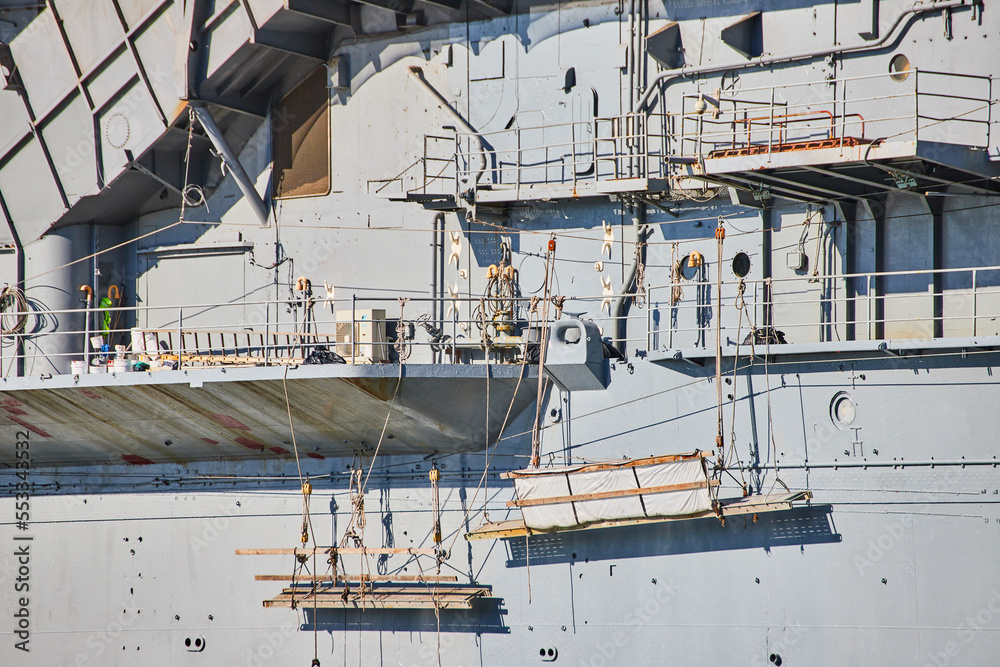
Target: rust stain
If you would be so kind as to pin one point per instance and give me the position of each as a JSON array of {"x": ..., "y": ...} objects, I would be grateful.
[
  {"x": 250, "y": 443},
  {"x": 33, "y": 429},
  {"x": 380, "y": 388},
  {"x": 210, "y": 441},
  {"x": 231, "y": 422},
  {"x": 91, "y": 394},
  {"x": 314, "y": 455},
  {"x": 135, "y": 459},
  {"x": 279, "y": 450}
]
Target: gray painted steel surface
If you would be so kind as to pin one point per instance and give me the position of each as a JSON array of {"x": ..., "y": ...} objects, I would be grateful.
[{"x": 848, "y": 149}]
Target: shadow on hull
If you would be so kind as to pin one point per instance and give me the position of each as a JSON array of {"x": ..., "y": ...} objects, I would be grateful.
[
  {"x": 485, "y": 617},
  {"x": 795, "y": 527}
]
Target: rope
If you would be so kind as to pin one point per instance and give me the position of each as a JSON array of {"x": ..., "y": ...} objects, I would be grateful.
[
  {"x": 741, "y": 307},
  {"x": 720, "y": 235},
  {"x": 12, "y": 300},
  {"x": 307, "y": 528},
  {"x": 536, "y": 440},
  {"x": 381, "y": 437}
]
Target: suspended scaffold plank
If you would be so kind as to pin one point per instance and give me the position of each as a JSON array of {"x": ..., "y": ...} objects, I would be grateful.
[
  {"x": 344, "y": 551},
  {"x": 621, "y": 493},
  {"x": 444, "y": 578},
  {"x": 752, "y": 505},
  {"x": 376, "y": 596}
]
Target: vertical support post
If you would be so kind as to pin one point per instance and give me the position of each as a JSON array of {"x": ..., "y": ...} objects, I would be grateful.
[
  {"x": 572, "y": 129},
  {"x": 267, "y": 333},
  {"x": 770, "y": 126},
  {"x": 975, "y": 304},
  {"x": 878, "y": 211},
  {"x": 766, "y": 248},
  {"x": 353, "y": 329},
  {"x": 180, "y": 337},
  {"x": 936, "y": 206},
  {"x": 849, "y": 210}
]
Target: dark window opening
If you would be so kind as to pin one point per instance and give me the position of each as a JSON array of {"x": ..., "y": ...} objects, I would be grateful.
[{"x": 300, "y": 135}]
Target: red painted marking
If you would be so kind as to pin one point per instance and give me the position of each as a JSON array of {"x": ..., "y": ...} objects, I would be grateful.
[
  {"x": 135, "y": 459},
  {"x": 231, "y": 422},
  {"x": 13, "y": 406},
  {"x": 314, "y": 455},
  {"x": 279, "y": 450},
  {"x": 91, "y": 394},
  {"x": 33, "y": 429},
  {"x": 210, "y": 441},
  {"x": 249, "y": 443}
]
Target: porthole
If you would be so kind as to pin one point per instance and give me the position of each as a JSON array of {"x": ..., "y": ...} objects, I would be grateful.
[
  {"x": 741, "y": 265},
  {"x": 843, "y": 410},
  {"x": 899, "y": 67},
  {"x": 691, "y": 265}
]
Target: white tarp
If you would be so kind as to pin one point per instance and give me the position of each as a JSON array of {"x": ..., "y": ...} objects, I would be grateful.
[{"x": 588, "y": 480}]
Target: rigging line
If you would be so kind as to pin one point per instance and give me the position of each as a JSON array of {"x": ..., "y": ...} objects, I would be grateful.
[
  {"x": 510, "y": 407},
  {"x": 307, "y": 525},
  {"x": 720, "y": 235},
  {"x": 381, "y": 437},
  {"x": 578, "y": 236},
  {"x": 744, "y": 367},
  {"x": 486, "y": 450},
  {"x": 741, "y": 307},
  {"x": 543, "y": 344}
]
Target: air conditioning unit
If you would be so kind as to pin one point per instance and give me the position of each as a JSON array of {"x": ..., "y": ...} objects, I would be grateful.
[{"x": 365, "y": 341}]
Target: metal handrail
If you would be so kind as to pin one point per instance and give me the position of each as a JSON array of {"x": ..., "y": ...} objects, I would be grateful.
[{"x": 969, "y": 297}]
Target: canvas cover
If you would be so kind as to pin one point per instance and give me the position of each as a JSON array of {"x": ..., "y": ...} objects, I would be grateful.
[{"x": 587, "y": 480}]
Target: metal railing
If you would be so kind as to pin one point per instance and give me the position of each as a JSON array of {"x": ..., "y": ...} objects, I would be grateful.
[
  {"x": 849, "y": 111},
  {"x": 569, "y": 154},
  {"x": 878, "y": 310},
  {"x": 360, "y": 330}
]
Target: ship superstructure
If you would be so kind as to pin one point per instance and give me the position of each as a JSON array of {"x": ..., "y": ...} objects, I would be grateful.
[{"x": 487, "y": 332}]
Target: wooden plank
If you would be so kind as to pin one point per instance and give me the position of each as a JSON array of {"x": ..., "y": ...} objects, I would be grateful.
[
  {"x": 369, "y": 604},
  {"x": 338, "y": 550},
  {"x": 418, "y": 591},
  {"x": 759, "y": 504},
  {"x": 643, "y": 491},
  {"x": 357, "y": 577},
  {"x": 754, "y": 504},
  {"x": 610, "y": 465}
]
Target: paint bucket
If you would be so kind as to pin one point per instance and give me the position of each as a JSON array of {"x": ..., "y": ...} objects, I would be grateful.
[
  {"x": 120, "y": 366},
  {"x": 99, "y": 368},
  {"x": 78, "y": 367},
  {"x": 138, "y": 341},
  {"x": 120, "y": 350},
  {"x": 97, "y": 342},
  {"x": 152, "y": 345}
]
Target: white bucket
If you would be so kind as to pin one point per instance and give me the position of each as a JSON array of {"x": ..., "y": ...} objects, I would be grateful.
[
  {"x": 96, "y": 342},
  {"x": 78, "y": 367},
  {"x": 152, "y": 345},
  {"x": 120, "y": 350},
  {"x": 99, "y": 368},
  {"x": 138, "y": 341},
  {"x": 120, "y": 366}
]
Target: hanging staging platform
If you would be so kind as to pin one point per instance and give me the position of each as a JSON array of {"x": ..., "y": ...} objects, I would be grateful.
[
  {"x": 337, "y": 590},
  {"x": 752, "y": 505},
  {"x": 372, "y": 595},
  {"x": 575, "y": 496}
]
